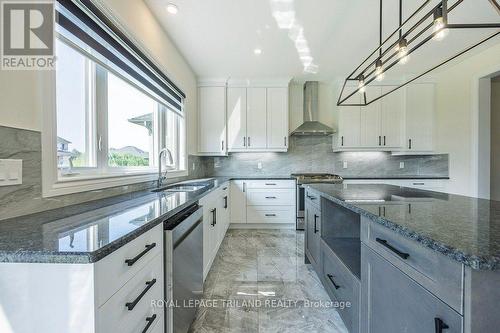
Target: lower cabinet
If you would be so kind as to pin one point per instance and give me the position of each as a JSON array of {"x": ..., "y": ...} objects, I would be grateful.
[
  {"x": 393, "y": 302},
  {"x": 312, "y": 217},
  {"x": 215, "y": 223}
]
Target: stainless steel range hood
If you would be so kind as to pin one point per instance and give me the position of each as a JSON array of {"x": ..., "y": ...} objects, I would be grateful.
[{"x": 311, "y": 125}]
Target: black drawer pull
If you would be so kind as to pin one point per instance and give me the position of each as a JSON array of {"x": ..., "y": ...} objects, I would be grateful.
[
  {"x": 440, "y": 325},
  {"x": 270, "y": 215},
  {"x": 149, "y": 321},
  {"x": 225, "y": 202},
  {"x": 149, "y": 247},
  {"x": 270, "y": 197},
  {"x": 315, "y": 220},
  {"x": 214, "y": 217},
  {"x": 149, "y": 284},
  {"x": 393, "y": 249},
  {"x": 336, "y": 286}
]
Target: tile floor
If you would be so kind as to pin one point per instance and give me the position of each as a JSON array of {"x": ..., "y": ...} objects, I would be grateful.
[{"x": 255, "y": 268}]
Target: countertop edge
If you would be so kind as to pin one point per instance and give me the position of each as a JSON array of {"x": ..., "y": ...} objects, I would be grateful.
[{"x": 472, "y": 261}]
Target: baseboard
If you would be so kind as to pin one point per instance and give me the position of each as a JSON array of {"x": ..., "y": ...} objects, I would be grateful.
[{"x": 262, "y": 226}]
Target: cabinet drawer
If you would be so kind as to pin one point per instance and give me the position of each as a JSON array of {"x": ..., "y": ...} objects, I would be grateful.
[
  {"x": 440, "y": 275},
  {"x": 271, "y": 214},
  {"x": 341, "y": 285},
  {"x": 393, "y": 302},
  {"x": 270, "y": 184},
  {"x": 115, "y": 314},
  {"x": 279, "y": 197},
  {"x": 312, "y": 198},
  {"x": 112, "y": 272}
]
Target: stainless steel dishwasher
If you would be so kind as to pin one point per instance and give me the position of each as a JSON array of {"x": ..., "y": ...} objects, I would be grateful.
[{"x": 183, "y": 267}]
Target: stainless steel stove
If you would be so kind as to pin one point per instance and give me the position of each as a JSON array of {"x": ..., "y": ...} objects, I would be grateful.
[{"x": 310, "y": 178}]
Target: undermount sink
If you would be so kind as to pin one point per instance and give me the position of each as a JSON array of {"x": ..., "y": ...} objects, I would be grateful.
[{"x": 180, "y": 188}]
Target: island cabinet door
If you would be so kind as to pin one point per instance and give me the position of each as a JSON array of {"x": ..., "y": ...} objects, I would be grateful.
[
  {"x": 313, "y": 240},
  {"x": 391, "y": 302}
]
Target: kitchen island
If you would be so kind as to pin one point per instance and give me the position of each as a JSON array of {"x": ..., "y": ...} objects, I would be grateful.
[{"x": 390, "y": 249}]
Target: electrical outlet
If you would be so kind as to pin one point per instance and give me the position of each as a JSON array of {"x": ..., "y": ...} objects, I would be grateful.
[
  {"x": 259, "y": 165},
  {"x": 11, "y": 172},
  {"x": 401, "y": 165},
  {"x": 345, "y": 165}
]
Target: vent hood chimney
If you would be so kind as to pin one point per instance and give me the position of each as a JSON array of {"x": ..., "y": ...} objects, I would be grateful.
[{"x": 311, "y": 125}]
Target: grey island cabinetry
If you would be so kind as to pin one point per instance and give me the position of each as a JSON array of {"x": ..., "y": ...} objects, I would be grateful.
[{"x": 408, "y": 260}]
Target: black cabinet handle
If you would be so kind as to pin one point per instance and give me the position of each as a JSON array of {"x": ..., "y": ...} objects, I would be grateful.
[
  {"x": 393, "y": 249},
  {"x": 248, "y": 141},
  {"x": 244, "y": 141},
  {"x": 270, "y": 215},
  {"x": 149, "y": 321},
  {"x": 315, "y": 220},
  {"x": 270, "y": 197},
  {"x": 149, "y": 285},
  {"x": 379, "y": 140},
  {"x": 285, "y": 141},
  {"x": 222, "y": 145},
  {"x": 440, "y": 325},
  {"x": 214, "y": 217},
  {"x": 384, "y": 140},
  {"x": 336, "y": 286},
  {"x": 225, "y": 202},
  {"x": 409, "y": 143},
  {"x": 132, "y": 261},
  {"x": 342, "y": 140}
]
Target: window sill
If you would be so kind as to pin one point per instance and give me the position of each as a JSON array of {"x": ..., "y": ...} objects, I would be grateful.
[{"x": 85, "y": 183}]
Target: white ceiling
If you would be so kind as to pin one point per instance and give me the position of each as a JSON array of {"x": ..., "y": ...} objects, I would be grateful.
[{"x": 217, "y": 37}]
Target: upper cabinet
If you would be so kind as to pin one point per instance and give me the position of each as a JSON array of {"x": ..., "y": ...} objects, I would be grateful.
[
  {"x": 257, "y": 117},
  {"x": 400, "y": 122},
  {"x": 419, "y": 118},
  {"x": 212, "y": 137},
  {"x": 277, "y": 118}
]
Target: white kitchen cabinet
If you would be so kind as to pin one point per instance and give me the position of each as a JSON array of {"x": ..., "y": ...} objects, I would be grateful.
[
  {"x": 212, "y": 120},
  {"x": 256, "y": 118},
  {"x": 215, "y": 224},
  {"x": 349, "y": 133},
  {"x": 238, "y": 202},
  {"x": 277, "y": 118},
  {"x": 392, "y": 114},
  {"x": 419, "y": 118},
  {"x": 370, "y": 120},
  {"x": 237, "y": 118}
]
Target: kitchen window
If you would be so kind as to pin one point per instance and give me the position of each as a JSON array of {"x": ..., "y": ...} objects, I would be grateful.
[{"x": 111, "y": 110}]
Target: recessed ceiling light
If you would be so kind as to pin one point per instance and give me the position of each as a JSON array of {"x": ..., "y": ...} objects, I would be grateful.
[
  {"x": 172, "y": 9},
  {"x": 257, "y": 51}
]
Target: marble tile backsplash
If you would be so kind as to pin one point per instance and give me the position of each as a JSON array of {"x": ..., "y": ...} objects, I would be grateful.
[
  {"x": 314, "y": 154},
  {"x": 27, "y": 198}
]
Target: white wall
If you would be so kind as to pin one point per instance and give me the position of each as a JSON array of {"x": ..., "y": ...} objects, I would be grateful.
[
  {"x": 454, "y": 116},
  {"x": 20, "y": 105},
  {"x": 495, "y": 140}
]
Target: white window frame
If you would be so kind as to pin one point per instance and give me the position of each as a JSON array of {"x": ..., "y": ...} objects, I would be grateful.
[{"x": 53, "y": 185}]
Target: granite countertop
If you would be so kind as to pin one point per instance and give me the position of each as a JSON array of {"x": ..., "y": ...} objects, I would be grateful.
[
  {"x": 87, "y": 232},
  {"x": 463, "y": 228},
  {"x": 394, "y": 177}
]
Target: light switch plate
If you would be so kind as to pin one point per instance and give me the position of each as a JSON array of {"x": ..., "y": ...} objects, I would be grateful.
[
  {"x": 345, "y": 165},
  {"x": 11, "y": 172},
  {"x": 401, "y": 165}
]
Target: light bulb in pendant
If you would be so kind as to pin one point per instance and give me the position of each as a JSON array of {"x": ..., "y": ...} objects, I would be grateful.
[
  {"x": 361, "y": 84},
  {"x": 403, "y": 55},
  {"x": 439, "y": 28},
  {"x": 379, "y": 70}
]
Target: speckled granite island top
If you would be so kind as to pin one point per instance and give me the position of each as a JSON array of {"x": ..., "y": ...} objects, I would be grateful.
[
  {"x": 463, "y": 228},
  {"x": 87, "y": 232}
]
